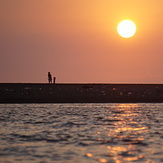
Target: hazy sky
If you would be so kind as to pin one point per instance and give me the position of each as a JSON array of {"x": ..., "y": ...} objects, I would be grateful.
[{"x": 77, "y": 41}]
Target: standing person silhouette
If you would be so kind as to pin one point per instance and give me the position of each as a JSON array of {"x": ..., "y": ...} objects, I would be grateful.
[{"x": 49, "y": 77}]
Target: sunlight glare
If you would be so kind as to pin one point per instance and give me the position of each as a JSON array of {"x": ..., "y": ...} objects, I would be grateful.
[{"x": 126, "y": 28}]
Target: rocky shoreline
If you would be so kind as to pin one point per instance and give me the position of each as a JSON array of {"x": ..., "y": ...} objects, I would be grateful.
[{"x": 80, "y": 93}]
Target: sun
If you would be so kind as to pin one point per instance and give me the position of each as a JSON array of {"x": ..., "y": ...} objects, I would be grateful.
[{"x": 126, "y": 28}]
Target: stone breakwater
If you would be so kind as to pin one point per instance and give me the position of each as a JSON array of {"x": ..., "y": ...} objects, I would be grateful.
[{"x": 80, "y": 93}]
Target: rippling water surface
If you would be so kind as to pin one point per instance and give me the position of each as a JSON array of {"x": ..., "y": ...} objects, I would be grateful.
[{"x": 83, "y": 133}]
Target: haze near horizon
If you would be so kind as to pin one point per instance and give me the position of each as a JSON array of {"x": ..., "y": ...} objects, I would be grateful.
[{"x": 77, "y": 41}]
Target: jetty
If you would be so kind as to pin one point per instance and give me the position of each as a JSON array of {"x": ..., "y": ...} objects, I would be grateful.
[{"x": 80, "y": 93}]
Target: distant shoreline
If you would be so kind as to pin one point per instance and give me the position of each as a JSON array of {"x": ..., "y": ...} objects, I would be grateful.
[{"x": 80, "y": 93}]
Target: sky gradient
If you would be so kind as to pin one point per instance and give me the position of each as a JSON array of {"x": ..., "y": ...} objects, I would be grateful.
[{"x": 77, "y": 41}]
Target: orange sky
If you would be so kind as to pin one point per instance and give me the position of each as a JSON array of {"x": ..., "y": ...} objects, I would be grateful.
[{"x": 77, "y": 41}]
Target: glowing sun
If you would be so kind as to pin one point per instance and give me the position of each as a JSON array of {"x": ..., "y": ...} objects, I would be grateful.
[{"x": 126, "y": 28}]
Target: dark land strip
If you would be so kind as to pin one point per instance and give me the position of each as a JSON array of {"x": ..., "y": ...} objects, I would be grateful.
[{"x": 80, "y": 93}]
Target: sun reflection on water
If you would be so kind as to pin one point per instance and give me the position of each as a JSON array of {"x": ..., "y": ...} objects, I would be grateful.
[
  {"x": 127, "y": 105},
  {"x": 126, "y": 135},
  {"x": 129, "y": 133}
]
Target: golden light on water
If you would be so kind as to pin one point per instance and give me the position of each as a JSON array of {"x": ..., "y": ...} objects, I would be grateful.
[
  {"x": 127, "y": 131},
  {"x": 122, "y": 138},
  {"x": 102, "y": 160},
  {"x": 89, "y": 155},
  {"x": 127, "y": 105}
]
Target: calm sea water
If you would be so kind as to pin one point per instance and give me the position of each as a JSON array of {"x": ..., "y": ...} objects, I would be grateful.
[{"x": 81, "y": 133}]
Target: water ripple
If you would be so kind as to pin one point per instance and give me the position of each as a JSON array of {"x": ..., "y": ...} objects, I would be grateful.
[{"x": 117, "y": 133}]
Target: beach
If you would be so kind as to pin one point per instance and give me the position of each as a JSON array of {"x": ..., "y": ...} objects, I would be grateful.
[{"x": 80, "y": 93}]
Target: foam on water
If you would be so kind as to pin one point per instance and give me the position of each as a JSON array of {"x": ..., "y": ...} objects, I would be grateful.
[{"x": 116, "y": 133}]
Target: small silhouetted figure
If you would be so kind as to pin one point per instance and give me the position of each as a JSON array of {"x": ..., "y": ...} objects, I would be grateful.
[
  {"x": 49, "y": 77},
  {"x": 54, "y": 80}
]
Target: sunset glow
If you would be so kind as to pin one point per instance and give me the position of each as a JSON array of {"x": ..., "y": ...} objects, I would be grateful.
[{"x": 77, "y": 41}]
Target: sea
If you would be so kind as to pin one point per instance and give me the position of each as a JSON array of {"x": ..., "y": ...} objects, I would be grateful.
[{"x": 81, "y": 133}]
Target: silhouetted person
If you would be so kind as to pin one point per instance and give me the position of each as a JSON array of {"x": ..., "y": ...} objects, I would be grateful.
[
  {"x": 49, "y": 77},
  {"x": 54, "y": 80}
]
